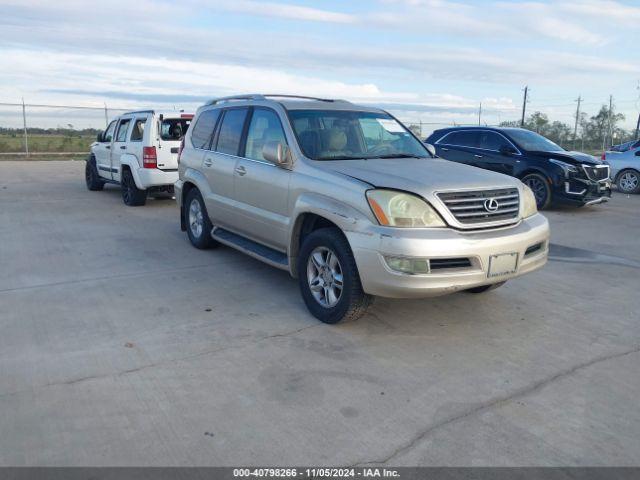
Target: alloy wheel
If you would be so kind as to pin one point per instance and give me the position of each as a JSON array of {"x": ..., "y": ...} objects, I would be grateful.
[
  {"x": 324, "y": 275},
  {"x": 539, "y": 189},
  {"x": 629, "y": 181},
  {"x": 196, "y": 220}
]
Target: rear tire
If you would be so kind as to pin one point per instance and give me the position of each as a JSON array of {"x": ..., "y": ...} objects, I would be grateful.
[
  {"x": 132, "y": 196},
  {"x": 628, "y": 181},
  {"x": 329, "y": 279},
  {"x": 540, "y": 187},
  {"x": 485, "y": 288},
  {"x": 91, "y": 176},
  {"x": 197, "y": 220}
]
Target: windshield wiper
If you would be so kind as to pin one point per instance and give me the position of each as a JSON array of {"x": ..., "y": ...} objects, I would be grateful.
[
  {"x": 396, "y": 155},
  {"x": 341, "y": 157}
]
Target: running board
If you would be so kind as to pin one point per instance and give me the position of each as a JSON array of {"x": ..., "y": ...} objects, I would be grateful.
[{"x": 254, "y": 249}]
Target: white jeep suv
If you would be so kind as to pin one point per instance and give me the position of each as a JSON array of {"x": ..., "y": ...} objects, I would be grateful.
[{"x": 139, "y": 151}]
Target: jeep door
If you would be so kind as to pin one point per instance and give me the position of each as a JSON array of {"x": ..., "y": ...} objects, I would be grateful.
[
  {"x": 261, "y": 187},
  {"x": 459, "y": 146},
  {"x": 102, "y": 151},
  {"x": 119, "y": 146}
]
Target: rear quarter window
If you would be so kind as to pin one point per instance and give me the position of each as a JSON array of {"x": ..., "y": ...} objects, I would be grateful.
[{"x": 203, "y": 128}]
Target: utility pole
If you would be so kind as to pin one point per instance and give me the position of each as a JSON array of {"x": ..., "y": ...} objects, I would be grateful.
[
  {"x": 524, "y": 105},
  {"x": 610, "y": 125},
  {"x": 575, "y": 129},
  {"x": 638, "y": 128},
  {"x": 24, "y": 124},
  {"x": 106, "y": 116},
  {"x": 480, "y": 114}
]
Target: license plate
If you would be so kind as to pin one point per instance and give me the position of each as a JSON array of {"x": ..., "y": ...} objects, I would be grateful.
[{"x": 502, "y": 264}]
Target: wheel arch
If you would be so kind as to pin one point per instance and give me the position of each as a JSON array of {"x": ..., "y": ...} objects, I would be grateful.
[
  {"x": 624, "y": 169},
  {"x": 130, "y": 162}
]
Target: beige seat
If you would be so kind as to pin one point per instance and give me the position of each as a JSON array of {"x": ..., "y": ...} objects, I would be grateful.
[{"x": 334, "y": 141}]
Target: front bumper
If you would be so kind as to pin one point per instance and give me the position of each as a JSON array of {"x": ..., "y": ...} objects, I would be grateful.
[
  {"x": 372, "y": 246},
  {"x": 574, "y": 190}
]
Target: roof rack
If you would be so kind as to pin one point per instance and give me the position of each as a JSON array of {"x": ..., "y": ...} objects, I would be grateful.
[
  {"x": 252, "y": 96},
  {"x": 139, "y": 111},
  {"x": 257, "y": 96},
  {"x": 303, "y": 97}
]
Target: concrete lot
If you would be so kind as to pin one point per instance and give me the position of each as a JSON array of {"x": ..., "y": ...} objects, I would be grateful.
[{"x": 120, "y": 344}]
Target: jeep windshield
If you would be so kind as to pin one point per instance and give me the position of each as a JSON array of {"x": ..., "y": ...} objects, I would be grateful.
[
  {"x": 351, "y": 135},
  {"x": 533, "y": 141}
]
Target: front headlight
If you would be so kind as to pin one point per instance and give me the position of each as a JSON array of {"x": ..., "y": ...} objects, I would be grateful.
[
  {"x": 398, "y": 209},
  {"x": 529, "y": 205},
  {"x": 566, "y": 167}
]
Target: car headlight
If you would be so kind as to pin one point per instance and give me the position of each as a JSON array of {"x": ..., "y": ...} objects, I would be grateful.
[
  {"x": 566, "y": 167},
  {"x": 529, "y": 205},
  {"x": 399, "y": 209}
]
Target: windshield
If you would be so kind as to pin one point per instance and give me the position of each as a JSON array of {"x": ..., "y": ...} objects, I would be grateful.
[
  {"x": 346, "y": 135},
  {"x": 533, "y": 141}
]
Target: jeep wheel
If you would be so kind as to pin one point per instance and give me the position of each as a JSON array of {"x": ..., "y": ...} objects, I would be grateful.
[
  {"x": 197, "y": 221},
  {"x": 131, "y": 195},
  {"x": 629, "y": 181},
  {"x": 540, "y": 187},
  {"x": 329, "y": 278},
  {"x": 91, "y": 177},
  {"x": 485, "y": 288}
]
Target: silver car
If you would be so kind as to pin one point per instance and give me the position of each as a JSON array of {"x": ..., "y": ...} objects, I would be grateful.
[
  {"x": 348, "y": 201},
  {"x": 625, "y": 167}
]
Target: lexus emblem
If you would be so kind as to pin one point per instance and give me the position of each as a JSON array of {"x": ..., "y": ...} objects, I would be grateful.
[{"x": 491, "y": 205}]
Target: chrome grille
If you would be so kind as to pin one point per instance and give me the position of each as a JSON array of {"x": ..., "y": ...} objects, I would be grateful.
[
  {"x": 597, "y": 173},
  {"x": 475, "y": 207}
]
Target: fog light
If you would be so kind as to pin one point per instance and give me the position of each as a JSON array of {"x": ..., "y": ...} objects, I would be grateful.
[{"x": 412, "y": 266}]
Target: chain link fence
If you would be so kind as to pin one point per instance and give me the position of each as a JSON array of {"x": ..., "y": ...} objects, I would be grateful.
[{"x": 39, "y": 130}]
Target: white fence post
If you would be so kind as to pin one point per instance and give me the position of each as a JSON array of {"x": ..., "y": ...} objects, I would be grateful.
[{"x": 24, "y": 124}]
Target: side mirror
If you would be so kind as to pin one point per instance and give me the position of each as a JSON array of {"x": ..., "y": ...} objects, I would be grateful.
[
  {"x": 100, "y": 137},
  {"x": 431, "y": 149},
  {"x": 507, "y": 150},
  {"x": 637, "y": 153},
  {"x": 277, "y": 153}
]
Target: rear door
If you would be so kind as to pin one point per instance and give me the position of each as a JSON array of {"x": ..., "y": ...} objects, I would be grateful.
[
  {"x": 460, "y": 146},
  {"x": 261, "y": 187},
  {"x": 169, "y": 131},
  {"x": 119, "y": 146},
  {"x": 219, "y": 164}
]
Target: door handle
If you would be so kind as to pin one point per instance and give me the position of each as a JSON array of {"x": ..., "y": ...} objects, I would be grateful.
[
  {"x": 208, "y": 162},
  {"x": 108, "y": 147},
  {"x": 445, "y": 149},
  {"x": 123, "y": 147},
  {"x": 478, "y": 156},
  {"x": 241, "y": 170}
]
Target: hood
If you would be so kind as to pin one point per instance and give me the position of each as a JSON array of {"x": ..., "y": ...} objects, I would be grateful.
[
  {"x": 422, "y": 176},
  {"x": 574, "y": 158}
]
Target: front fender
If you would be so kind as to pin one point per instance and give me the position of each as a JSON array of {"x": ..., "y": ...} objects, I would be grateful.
[{"x": 344, "y": 216}]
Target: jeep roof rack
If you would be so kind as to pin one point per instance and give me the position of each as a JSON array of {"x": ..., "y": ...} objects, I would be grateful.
[
  {"x": 252, "y": 96},
  {"x": 303, "y": 97}
]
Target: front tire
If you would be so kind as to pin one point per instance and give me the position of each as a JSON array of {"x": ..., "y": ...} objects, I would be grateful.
[
  {"x": 132, "y": 196},
  {"x": 91, "y": 177},
  {"x": 485, "y": 288},
  {"x": 197, "y": 221},
  {"x": 540, "y": 187},
  {"x": 329, "y": 279},
  {"x": 629, "y": 181}
]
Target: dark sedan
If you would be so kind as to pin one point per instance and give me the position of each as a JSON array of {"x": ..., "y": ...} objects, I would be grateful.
[{"x": 555, "y": 175}]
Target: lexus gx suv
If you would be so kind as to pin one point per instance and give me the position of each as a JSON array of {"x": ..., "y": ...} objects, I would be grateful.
[{"x": 347, "y": 200}]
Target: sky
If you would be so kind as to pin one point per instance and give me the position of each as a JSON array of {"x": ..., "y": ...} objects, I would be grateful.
[{"x": 433, "y": 61}]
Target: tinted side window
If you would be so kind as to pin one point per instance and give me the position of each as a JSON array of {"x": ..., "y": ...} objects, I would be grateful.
[
  {"x": 137, "y": 131},
  {"x": 231, "y": 131},
  {"x": 203, "y": 129},
  {"x": 492, "y": 141},
  {"x": 121, "y": 136},
  {"x": 462, "y": 139},
  {"x": 265, "y": 127},
  {"x": 108, "y": 134}
]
